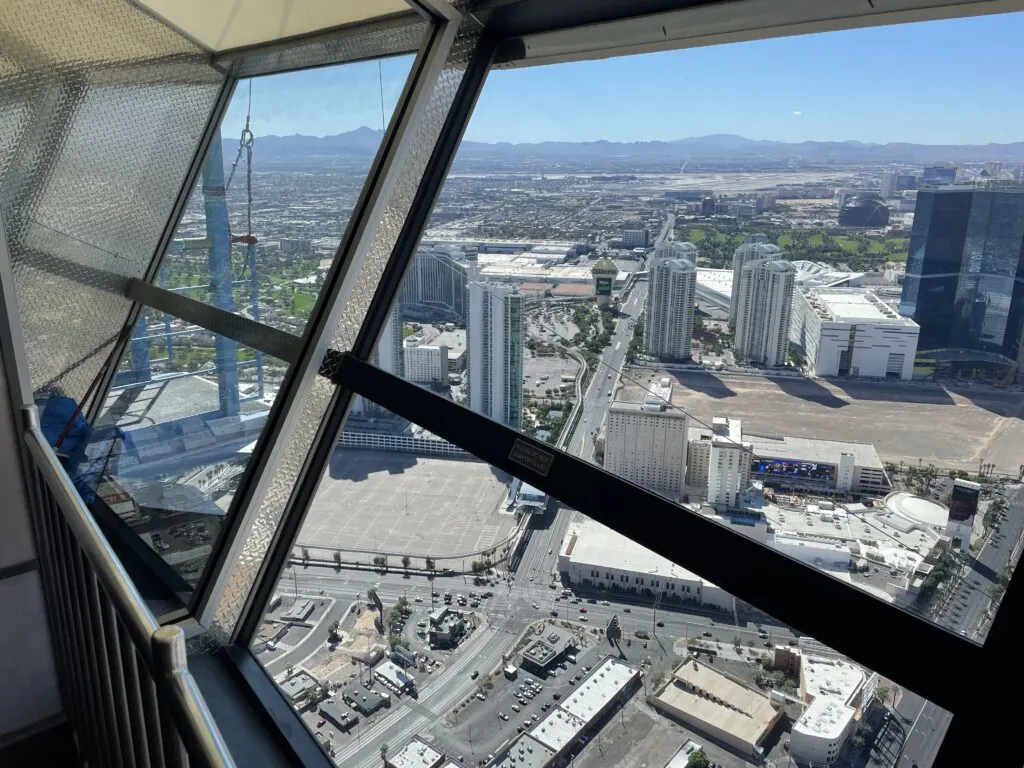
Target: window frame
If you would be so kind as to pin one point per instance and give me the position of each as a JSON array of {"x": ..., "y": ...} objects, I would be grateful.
[{"x": 924, "y": 651}]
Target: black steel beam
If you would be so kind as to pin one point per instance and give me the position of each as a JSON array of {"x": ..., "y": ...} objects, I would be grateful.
[{"x": 896, "y": 644}]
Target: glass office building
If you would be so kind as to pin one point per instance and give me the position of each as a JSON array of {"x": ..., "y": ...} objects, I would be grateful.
[{"x": 965, "y": 273}]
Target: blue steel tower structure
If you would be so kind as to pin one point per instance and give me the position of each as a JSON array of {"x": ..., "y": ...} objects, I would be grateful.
[
  {"x": 218, "y": 231},
  {"x": 218, "y": 243}
]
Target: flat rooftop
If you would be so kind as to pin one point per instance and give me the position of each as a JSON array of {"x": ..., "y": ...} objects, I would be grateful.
[
  {"x": 558, "y": 729},
  {"x": 416, "y": 754},
  {"x": 709, "y": 696},
  {"x": 593, "y": 543},
  {"x": 832, "y": 683},
  {"x": 812, "y": 450},
  {"x": 539, "y": 652},
  {"x": 853, "y": 305},
  {"x": 601, "y": 685},
  {"x": 524, "y": 752}
]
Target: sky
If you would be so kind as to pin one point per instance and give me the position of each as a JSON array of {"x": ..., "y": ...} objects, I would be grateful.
[{"x": 940, "y": 82}]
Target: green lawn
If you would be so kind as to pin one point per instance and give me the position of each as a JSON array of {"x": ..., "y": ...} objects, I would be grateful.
[
  {"x": 696, "y": 236},
  {"x": 303, "y": 304},
  {"x": 847, "y": 244}
]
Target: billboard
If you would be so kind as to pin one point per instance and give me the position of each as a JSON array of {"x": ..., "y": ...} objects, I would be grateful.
[
  {"x": 604, "y": 286},
  {"x": 796, "y": 470},
  {"x": 963, "y": 501}
]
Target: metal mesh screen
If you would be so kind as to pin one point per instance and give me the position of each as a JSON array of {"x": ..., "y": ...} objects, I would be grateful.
[
  {"x": 287, "y": 472},
  {"x": 388, "y": 39},
  {"x": 101, "y": 111}
]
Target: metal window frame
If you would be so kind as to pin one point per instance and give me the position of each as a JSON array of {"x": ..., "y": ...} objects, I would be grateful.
[
  {"x": 324, "y": 318},
  {"x": 923, "y": 651},
  {"x": 916, "y": 661}
]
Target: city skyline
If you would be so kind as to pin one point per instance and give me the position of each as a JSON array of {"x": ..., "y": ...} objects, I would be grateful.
[{"x": 551, "y": 103}]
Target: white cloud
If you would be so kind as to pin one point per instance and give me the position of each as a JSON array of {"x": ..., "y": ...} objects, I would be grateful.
[{"x": 797, "y": 112}]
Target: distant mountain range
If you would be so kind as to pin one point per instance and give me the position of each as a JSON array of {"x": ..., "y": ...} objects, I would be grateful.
[{"x": 363, "y": 142}]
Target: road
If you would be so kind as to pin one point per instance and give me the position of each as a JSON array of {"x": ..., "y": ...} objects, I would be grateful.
[
  {"x": 598, "y": 393},
  {"x": 512, "y": 608},
  {"x": 965, "y": 612}
]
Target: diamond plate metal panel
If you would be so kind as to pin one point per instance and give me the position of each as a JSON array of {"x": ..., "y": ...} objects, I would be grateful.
[
  {"x": 386, "y": 39},
  {"x": 101, "y": 110},
  {"x": 285, "y": 475}
]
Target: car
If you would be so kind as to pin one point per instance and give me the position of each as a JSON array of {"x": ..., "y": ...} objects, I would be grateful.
[
  {"x": 516, "y": 708},
  {"x": 626, "y": 610},
  {"x": 481, "y": 696},
  {"x": 556, "y": 696},
  {"x": 963, "y": 632},
  {"x": 554, "y": 612},
  {"x": 321, "y": 723},
  {"x": 474, "y": 604},
  {"x": 520, "y": 729},
  {"x": 550, "y": 551},
  {"x": 584, "y": 618},
  {"x": 545, "y": 707},
  {"x": 531, "y": 578},
  {"x": 562, "y": 666},
  {"x": 661, "y": 624},
  {"x": 418, "y": 599},
  {"x": 421, "y": 624},
  {"x": 503, "y": 716},
  {"x": 474, "y": 675},
  {"x": 527, "y": 723},
  {"x": 642, "y": 634},
  {"x": 605, "y": 602},
  {"x": 523, "y": 701},
  {"x": 536, "y": 606},
  {"x": 629, "y": 642},
  {"x": 435, "y": 594},
  {"x": 707, "y": 634},
  {"x": 583, "y": 610},
  {"x": 535, "y": 717}
]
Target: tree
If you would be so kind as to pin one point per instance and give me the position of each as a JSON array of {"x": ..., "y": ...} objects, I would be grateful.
[
  {"x": 699, "y": 759},
  {"x": 337, "y": 560},
  {"x": 406, "y": 560},
  {"x": 384, "y": 753},
  {"x": 430, "y": 563}
]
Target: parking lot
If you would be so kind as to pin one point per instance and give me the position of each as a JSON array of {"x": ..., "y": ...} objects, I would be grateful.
[
  {"x": 373, "y": 501},
  {"x": 508, "y": 707}
]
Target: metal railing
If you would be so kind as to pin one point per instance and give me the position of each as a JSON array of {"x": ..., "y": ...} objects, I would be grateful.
[{"x": 125, "y": 681}]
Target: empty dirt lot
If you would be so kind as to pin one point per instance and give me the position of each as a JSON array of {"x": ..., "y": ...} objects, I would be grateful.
[{"x": 949, "y": 427}]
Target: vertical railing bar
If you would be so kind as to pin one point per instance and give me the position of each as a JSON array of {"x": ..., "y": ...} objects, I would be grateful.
[
  {"x": 98, "y": 640},
  {"x": 76, "y": 646},
  {"x": 152, "y": 712},
  {"x": 55, "y": 606},
  {"x": 115, "y": 666},
  {"x": 79, "y": 588},
  {"x": 133, "y": 698}
]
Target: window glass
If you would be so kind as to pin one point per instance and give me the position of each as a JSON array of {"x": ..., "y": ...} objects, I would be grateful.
[
  {"x": 434, "y": 605},
  {"x": 277, "y": 189},
  {"x": 172, "y": 440},
  {"x": 807, "y": 328}
]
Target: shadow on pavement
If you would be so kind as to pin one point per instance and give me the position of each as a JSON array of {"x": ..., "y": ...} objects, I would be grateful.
[
  {"x": 809, "y": 390},
  {"x": 705, "y": 383},
  {"x": 354, "y": 464},
  {"x": 893, "y": 392}
]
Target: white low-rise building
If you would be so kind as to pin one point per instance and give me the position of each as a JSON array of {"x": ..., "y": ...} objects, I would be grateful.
[
  {"x": 851, "y": 332},
  {"x": 835, "y": 690},
  {"x": 594, "y": 554}
]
